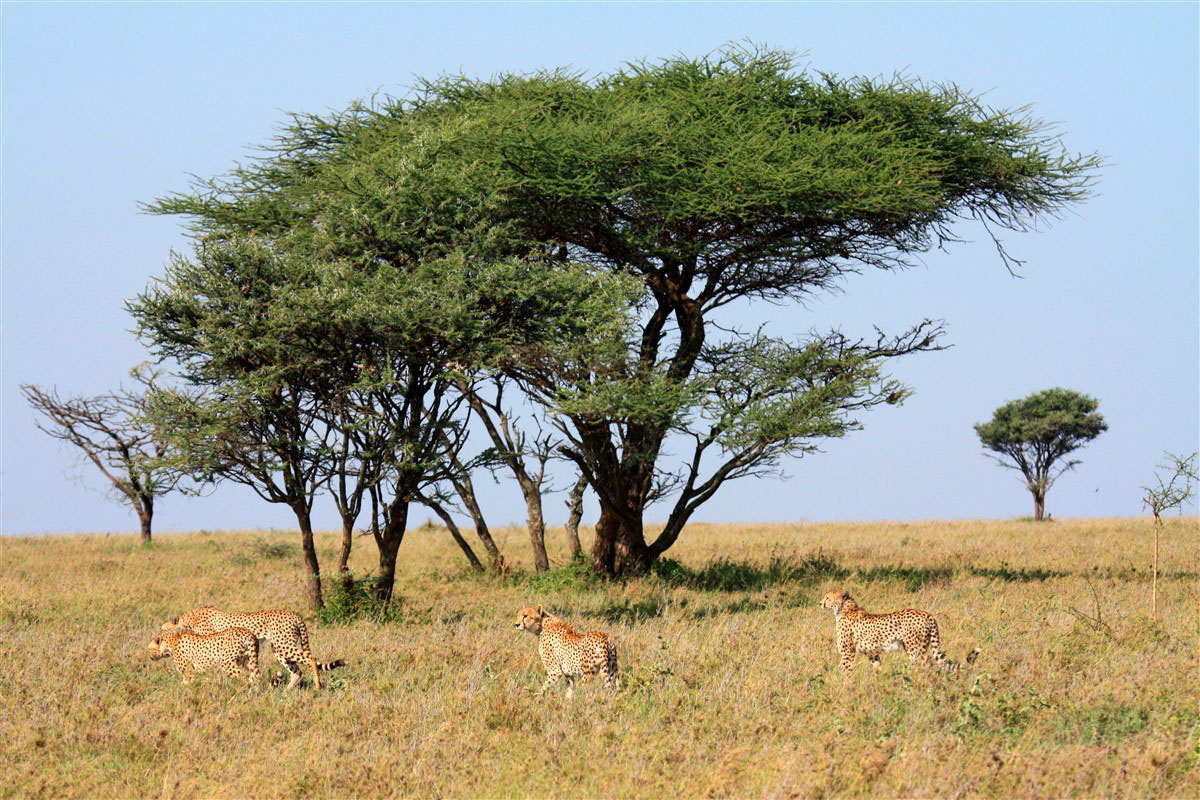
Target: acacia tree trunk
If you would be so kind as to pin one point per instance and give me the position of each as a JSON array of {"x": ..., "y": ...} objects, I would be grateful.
[
  {"x": 388, "y": 539},
  {"x": 344, "y": 554},
  {"x": 1039, "y": 505},
  {"x": 620, "y": 545},
  {"x": 145, "y": 512},
  {"x": 455, "y": 534},
  {"x": 534, "y": 521},
  {"x": 575, "y": 508},
  {"x": 313, "y": 589},
  {"x": 466, "y": 493}
]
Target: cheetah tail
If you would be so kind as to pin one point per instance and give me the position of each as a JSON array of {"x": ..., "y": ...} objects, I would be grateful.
[
  {"x": 331, "y": 665},
  {"x": 974, "y": 654}
]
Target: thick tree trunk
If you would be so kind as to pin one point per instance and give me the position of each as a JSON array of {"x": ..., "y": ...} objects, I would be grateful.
[
  {"x": 1039, "y": 505},
  {"x": 575, "y": 509},
  {"x": 313, "y": 589},
  {"x": 620, "y": 546},
  {"x": 535, "y": 522},
  {"x": 390, "y": 537}
]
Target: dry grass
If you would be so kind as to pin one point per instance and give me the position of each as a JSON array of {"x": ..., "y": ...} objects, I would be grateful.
[{"x": 731, "y": 685}]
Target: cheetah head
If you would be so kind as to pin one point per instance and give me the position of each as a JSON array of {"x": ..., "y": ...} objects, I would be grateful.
[
  {"x": 173, "y": 625},
  {"x": 530, "y": 619},
  {"x": 835, "y": 600},
  {"x": 159, "y": 647}
]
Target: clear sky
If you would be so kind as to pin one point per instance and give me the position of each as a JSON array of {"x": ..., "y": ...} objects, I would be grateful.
[{"x": 106, "y": 105}]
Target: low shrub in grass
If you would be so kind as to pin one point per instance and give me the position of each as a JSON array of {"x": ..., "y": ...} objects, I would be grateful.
[{"x": 353, "y": 599}]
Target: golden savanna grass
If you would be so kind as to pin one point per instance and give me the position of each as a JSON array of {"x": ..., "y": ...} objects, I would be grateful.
[{"x": 731, "y": 685}]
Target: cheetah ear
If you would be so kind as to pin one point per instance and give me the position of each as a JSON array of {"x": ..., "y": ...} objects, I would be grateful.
[
  {"x": 174, "y": 620},
  {"x": 541, "y": 611},
  {"x": 845, "y": 595}
]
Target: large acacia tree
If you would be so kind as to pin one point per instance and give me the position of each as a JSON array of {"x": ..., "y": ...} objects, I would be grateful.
[
  {"x": 715, "y": 181},
  {"x": 709, "y": 182}
]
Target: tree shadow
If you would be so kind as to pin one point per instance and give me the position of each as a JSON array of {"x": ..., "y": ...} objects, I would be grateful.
[
  {"x": 1010, "y": 575},
  {"x": 629, "y": 611},
  {"x": 726, "y": 575}
]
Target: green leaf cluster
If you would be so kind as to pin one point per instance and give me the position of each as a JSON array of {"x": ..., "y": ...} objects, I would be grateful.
[
  {"x": 1055, "y": 421},
  {"x": 1038, "y": 431}
]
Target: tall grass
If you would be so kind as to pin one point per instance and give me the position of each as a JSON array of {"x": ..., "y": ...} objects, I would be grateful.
[{"x": 730, "y": 683}]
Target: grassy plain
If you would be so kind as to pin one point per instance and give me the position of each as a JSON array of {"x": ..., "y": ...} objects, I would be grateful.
[{"x": 731, "y": 684}]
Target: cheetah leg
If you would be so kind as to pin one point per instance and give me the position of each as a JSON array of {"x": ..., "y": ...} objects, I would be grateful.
[
  {"x": 609, "y": 670},
  {"x": 551, "y": 679},
  {"x": 918, "y": 654},
  {"x": 848, "y": 659},
  {"x": 251, "y": 656},
  {"x": 312, "y": 662},
  {"x": 233, "y": 667},
  {"x": 306, "y": 654},
  {"x": 185, "y": 669},
  {"x": 570, "y": 687},
  {"x": 293, "y": 671},
  {"x": 875, "y": 662}
]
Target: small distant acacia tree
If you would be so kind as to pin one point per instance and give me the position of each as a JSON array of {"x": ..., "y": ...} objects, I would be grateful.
[
  {"x": 1034, "y": 435},
  {"x": 1172, "y": 493},
  {"x": 110, "y": 430}
]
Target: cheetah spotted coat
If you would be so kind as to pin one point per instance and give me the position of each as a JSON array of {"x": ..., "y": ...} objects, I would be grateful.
[
  {"x": 915, "y": 632},
  {"x": 285, "y": 630},
  {"x": 567, "y": 654},
  {"x": 193, "y": 652}
]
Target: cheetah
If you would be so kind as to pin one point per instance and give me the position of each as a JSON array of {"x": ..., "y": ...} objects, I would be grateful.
[
  {"x": 285, "y": 630},
  {"x": 568, "y": 654},
  {"x": 194, "y": 652},
  {"x": 914, "y": 631}
]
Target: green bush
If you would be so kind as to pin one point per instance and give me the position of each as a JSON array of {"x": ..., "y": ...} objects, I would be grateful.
[
  {"x": 351, "y": 600},
  {"x": 264, "y": 549},
  {"x": 576, "y": 575}
]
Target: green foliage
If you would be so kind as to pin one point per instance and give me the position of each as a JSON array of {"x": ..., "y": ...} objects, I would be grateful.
[
  {"x": 356, "y": 600},
  {"x": 576, "y": 575},
  {"x": 1103, "y": 723},
  {"x": 265, "y": 549},
  {"x": 1054, "y": 421},
  {"x": 1034, "y": 434},
  {"x": 577, "y": 235}
]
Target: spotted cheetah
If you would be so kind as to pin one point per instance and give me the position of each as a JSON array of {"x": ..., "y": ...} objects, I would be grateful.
[
  {"x": 285, "y": 630},
  {"x": 568, "y": 654},
  {"x": 194, "y": 652},
  {"x": 861, "y": 632}
]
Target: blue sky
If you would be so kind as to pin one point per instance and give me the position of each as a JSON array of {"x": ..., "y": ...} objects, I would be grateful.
[{"x": 106, "y": 105}]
